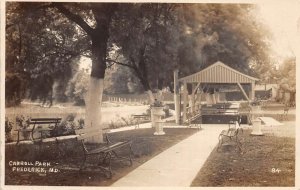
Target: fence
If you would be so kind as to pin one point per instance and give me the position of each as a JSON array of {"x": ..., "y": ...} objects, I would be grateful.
[{"x": 135, "y": 98}]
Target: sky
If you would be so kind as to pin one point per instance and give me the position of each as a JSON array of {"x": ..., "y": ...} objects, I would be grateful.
[{"x": 282, "y": 17}]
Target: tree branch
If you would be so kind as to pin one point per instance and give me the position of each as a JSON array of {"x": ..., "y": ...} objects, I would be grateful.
[
  {"x": 73, "y": 17},
  {"x": 119, "y": 63}
]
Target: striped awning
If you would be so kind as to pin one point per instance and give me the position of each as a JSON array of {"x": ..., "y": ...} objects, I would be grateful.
[{"x": 218, "y": 73}]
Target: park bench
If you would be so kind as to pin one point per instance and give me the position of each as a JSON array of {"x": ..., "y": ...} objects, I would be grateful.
[
  {"x": 231, "y": 134},
  {"x": 140, "y": 119},
  {"x": 104, "y": 152},
  {"x": 194, "y": 119},
  {"x": 36, "y": 125}
]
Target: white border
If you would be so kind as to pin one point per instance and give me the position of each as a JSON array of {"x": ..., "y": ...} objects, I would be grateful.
[{"x": 2, "y": 103}]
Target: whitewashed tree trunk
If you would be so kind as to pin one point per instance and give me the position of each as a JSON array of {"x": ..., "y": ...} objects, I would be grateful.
[
  {"x": 160, "y": 95},
  {"x": 151, "y": 96},
  {"x": 93, "y": 106}
]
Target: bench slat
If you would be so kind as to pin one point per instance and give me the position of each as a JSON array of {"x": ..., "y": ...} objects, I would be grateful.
[
  {"x": 24, "y": 130},
  {"x": 91, "y": 130},
  {"x": 109, "y": 148},
  {"x": 106, "y": 149},
  {"x": 45, "y": 118},
  {"x": 87, "y": 135},
  {"x": 43, "y": 122}
]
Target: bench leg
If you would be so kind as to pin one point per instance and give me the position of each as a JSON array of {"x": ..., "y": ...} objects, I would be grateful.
[
  {"x": 60, "y": 151},
  {"x": 130, "y": 154},
  {"x": 82, "y": 166},
  {"x": 103, "y": 160},
  {"x": 106, "y": 169},
  {"x": 220, "y": 142},
  {"x": 137, "y": 126},
  {"x": 18, "y": 140},
  {"x": 199, "y": 126},
  {"x": 129, "y": 158},
  {"x": 238, "y": 143},
  {"x": 109, "y": 167},
  {"x": 32, "y": 138}
]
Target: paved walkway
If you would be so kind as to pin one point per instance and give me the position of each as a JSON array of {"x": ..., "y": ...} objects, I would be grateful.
[{"x": 178, "y": 165}]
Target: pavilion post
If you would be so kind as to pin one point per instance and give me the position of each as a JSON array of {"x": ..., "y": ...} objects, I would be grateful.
[
  {"x": 252, "y": 93},
  {"x": 176, "y": 97},
  {"x": 193, "y": 103},
  {"x": 185, "y": 94},
  {"x": 194, "y": 90}
]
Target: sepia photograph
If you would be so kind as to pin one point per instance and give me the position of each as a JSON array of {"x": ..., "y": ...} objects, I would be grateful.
[{"x": 141, "y": 94}]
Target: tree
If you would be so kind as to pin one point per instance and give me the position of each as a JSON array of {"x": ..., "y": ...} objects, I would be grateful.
[
  {"x": 224, "y": 32},
  {"x": 77, "y": 88},
  {"x": 160, "y": 37},
  {"x": 120, "y": 80},
  {"x": 287, "y": 76},
  {"x": 37, "y": 50},
  {"x": 148, "y": 43}
]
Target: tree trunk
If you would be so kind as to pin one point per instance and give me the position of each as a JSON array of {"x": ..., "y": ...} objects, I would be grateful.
[
  {"x": 99, "y": 37},
  {"x": 160, "y": 87},
  {"x": 151, "y": 96},
  {"x": 93, "y": 105}
]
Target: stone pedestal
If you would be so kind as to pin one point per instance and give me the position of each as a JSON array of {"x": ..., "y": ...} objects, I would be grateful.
[
  {"x": 256, "y": 112},
  {"x": 157, "y": 113},
  {"x": 256, "y": 127}
]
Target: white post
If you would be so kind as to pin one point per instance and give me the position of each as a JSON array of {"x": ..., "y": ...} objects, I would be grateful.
[
  {"x": 185, "y": 94},
  {"x": 193, "y": 99},
  {"x": 256, "y": 123},
  {"x": 252, "y": 93},
  {"x": 176, "y": 97}
]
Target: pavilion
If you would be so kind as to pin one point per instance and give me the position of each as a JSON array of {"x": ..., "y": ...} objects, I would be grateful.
[{"x": 217, "y": 73}]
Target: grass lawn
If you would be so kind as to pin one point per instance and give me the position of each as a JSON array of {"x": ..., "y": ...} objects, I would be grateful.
[
  {"x": 267, "y": 160},
  {"x": 145, "y": 146}
]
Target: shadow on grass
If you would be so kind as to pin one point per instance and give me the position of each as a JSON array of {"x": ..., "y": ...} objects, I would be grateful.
[{"x": 264, "y": 161}]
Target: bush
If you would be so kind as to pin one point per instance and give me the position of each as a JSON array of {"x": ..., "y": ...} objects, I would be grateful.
[
  {"x": 8, "y": 128},
  {"x": 66, "y": 127},
  {"x": 122, "y": 122},
  {"x": 23, "y": 123},
  {"x": 78, "y": 87},
  {"x": 167, "y": 111}
]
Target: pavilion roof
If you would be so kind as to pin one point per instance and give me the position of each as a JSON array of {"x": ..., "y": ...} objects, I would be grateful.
[{"x": 218, "y": 73}]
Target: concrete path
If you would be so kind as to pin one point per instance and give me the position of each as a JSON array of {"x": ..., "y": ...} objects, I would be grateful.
[{"x": 178, "y": 165}]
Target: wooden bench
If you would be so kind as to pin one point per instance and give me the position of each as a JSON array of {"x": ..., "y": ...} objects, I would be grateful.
[
  {"x": 36, "y": 125},
  {"x": 105, "y": 152},
  {"x": 231, "y": 134},
  {"x": 139, "y": 119},
  {"x": 193, "y": 119}
]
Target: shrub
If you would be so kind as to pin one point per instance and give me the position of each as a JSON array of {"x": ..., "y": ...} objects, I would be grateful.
[
  {"x": 8, "y": 128},
  {"x": 66, "y": 127},
  {"x": 80, "y": 123},
  {"x": 23, "y": 123}
]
